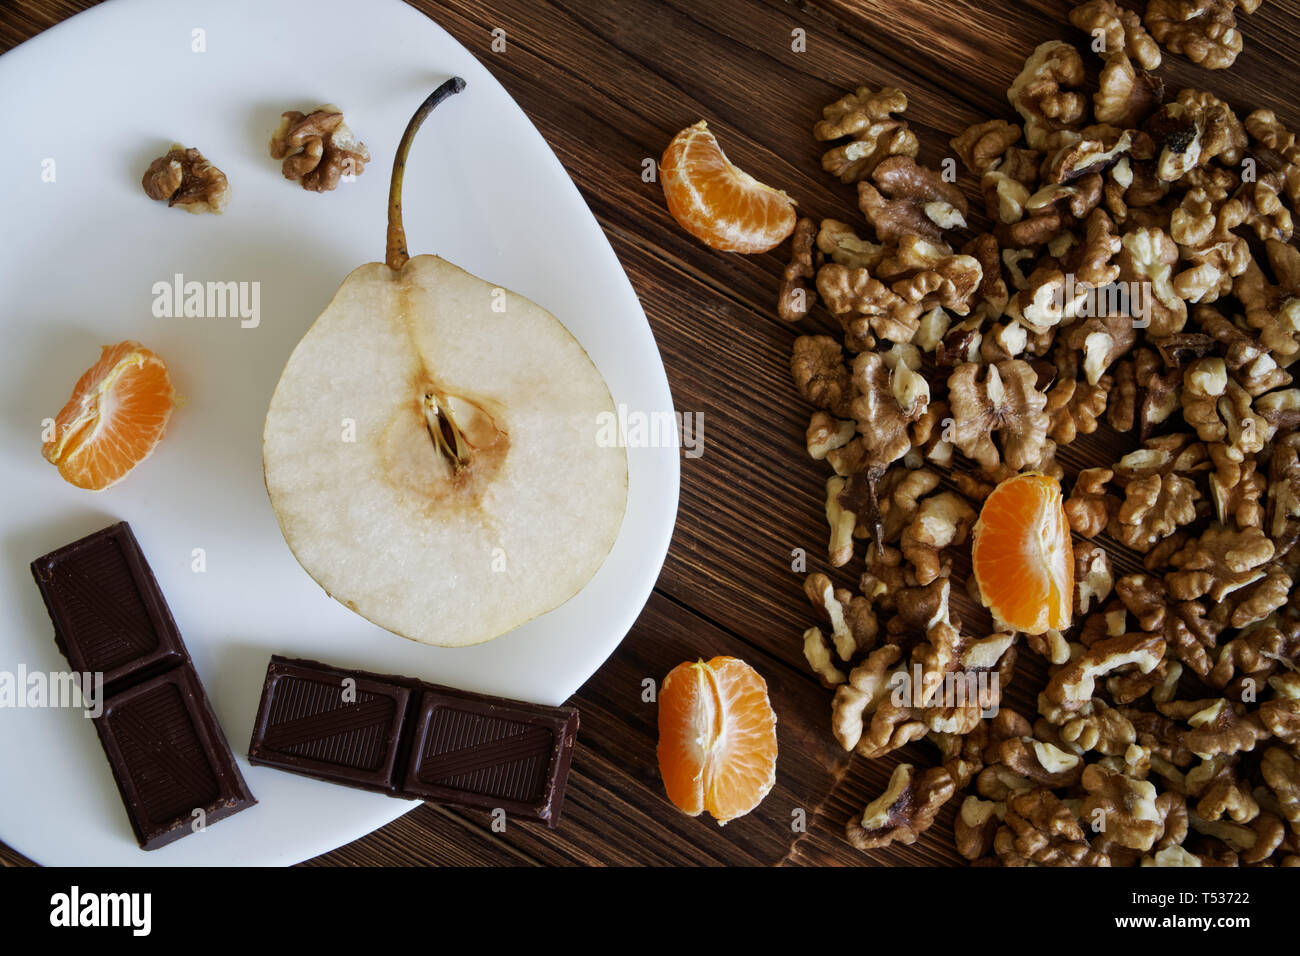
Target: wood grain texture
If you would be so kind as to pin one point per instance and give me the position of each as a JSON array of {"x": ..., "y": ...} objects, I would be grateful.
[{"x": 608, "y": 84}]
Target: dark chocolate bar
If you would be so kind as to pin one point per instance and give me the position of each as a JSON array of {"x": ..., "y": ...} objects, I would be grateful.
[
  {"x": 172, "y": 764},
  {"x": 414, "y": 740}
]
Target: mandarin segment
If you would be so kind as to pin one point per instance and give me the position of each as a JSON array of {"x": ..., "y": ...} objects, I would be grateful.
[
  {"x": 115, "y": 418},
  {"x": 717, "y": 738},
  {"x": 1022, "y": 556},
  {"x": 718, "y": 203}
]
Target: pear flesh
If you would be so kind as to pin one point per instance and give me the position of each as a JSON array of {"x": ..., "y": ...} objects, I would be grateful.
[{"x": 434, "y": 461}]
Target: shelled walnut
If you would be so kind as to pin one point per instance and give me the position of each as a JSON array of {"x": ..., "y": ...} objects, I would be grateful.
[
  {"x": 318, "y": 149},
  {"x": 183, "y": 177}
]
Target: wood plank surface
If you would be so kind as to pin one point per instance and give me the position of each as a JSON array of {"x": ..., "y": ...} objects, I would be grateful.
[{"x": 607, "y": 84}]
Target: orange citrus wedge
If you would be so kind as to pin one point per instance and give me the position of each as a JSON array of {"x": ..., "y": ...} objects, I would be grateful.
[
  {"x": 717, "y": 738},
  {"x": 116, "y": 415},
  {"x": 1022, "y": 556},
  {"x": 722, "y": 206}
]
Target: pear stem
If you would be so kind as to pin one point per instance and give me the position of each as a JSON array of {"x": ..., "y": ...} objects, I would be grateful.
[{"x": 396, "y": 255}]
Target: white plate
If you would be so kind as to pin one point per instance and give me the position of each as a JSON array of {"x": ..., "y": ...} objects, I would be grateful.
[{"x": 100, "y": 96}]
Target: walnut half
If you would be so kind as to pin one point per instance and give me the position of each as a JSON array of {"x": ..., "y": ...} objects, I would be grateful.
[
  {"x": 318, "y": 148},
  {"x": 184, "y": 178}
]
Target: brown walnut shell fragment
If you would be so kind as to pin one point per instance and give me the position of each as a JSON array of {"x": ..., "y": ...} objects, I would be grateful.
[
  {"x": 795, "y": 299},
  {"x": 1204, "y": 31},
  {"x": 317, "y": 148},
  {"x": 874, "y": 133},
  {"x": 1002, "y": 399},
  {"x": 904, "y": 811},
  {"x": 184, "y": 178}
]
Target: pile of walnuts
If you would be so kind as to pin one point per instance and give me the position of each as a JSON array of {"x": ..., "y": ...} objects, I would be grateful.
[{"x": 1168, "y": 732}]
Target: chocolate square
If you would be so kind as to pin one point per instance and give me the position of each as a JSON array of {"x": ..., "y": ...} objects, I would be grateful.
[
  {"x": 489, "y": 753},
  {"x": 339, "y": 725},
  {"x": 169, "y": 758},
  {"x": 107, "y": 610}
]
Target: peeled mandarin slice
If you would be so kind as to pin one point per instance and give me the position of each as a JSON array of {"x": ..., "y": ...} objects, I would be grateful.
[
  {"x": 118, "y": 412},
  {"x": 717, "y": 203},
  {"x": 1022, "y": 556},
  {"x": 717, "y": 738}
]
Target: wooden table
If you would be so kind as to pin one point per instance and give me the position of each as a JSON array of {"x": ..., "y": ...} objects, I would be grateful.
[{"x": 608, "y": 83}]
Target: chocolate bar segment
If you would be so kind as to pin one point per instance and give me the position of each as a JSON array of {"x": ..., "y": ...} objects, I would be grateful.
[
  {"x": 330, "y": 724},
  {"x": 172, "y": 764},
  {"x": 415, "y": 740},
  {"x": 489, "y": 753},
  {"x": 109, "y": 615}
]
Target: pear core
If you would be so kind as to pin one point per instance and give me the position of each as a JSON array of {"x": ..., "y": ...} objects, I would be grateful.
[{"x": 434, "y": 462}]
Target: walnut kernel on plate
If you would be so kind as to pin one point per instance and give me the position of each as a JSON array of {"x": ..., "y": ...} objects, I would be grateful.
[
  {"x": 183, "y": 177},
  {"x": 317, "y": 148}
]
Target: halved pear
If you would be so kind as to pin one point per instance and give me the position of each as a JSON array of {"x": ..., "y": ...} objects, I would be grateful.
[{"x": 434, "y": 462}]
